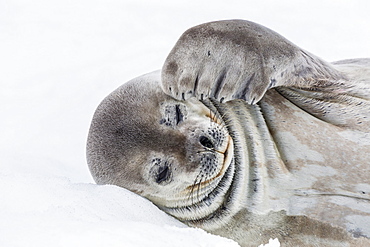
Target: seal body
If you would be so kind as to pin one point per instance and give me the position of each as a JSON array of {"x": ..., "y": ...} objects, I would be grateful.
[
  {"x": 256, "y": 139},
  {"x": 302, "y": 185}
]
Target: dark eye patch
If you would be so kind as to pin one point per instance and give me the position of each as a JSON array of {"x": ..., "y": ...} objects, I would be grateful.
[
  {"x": 161, "y": 171},
  {"x": 163, "y": 174}
]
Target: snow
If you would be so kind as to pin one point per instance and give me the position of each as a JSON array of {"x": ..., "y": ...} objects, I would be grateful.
[{"x": 59, "y": 59}]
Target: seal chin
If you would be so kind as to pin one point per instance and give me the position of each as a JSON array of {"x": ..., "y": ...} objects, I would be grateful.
[{"x": 209, "y": 199}]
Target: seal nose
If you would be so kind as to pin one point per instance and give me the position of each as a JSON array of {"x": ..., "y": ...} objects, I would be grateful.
[{"x": 206, "y": 142}]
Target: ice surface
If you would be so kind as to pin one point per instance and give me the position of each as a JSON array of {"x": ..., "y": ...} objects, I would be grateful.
[{"x": 59, "y": 59}]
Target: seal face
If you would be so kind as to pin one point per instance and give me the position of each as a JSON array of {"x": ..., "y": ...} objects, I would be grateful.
[
  {"x": 245, "y": 135},
  {"x": 161, "y": 148}
]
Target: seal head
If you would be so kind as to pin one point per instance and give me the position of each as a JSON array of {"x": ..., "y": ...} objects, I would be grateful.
[{"x": 172, "y": 152}]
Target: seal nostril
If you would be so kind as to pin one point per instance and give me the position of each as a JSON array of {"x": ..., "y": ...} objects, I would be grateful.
[{"x": 206, "y": 142}]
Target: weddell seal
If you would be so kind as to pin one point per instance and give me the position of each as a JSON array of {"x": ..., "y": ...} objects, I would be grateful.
[{"x": 245, "y": 135}]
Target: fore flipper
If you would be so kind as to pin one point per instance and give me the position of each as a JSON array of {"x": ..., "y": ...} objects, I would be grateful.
[{"x": 238, "y": 59}]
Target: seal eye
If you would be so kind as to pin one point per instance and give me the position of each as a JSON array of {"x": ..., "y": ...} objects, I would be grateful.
[
  {"x": 206, "y": 142},
  {"x": 179, "y": 115},
  {"x": 174, "y": 115},
  {"x": 163, "y": 174}
]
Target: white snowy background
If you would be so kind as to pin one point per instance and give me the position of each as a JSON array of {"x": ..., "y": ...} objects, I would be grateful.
[{"x": 59, "y": 59}]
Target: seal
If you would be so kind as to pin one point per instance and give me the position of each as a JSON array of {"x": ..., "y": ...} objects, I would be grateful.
[{"x": 245, "y": 135}]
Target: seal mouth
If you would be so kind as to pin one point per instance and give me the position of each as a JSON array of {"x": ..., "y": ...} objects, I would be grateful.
[{"x": 228, "y": 154}]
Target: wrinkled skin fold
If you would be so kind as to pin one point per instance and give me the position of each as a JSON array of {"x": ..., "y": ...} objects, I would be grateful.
[{"x": 245, "y": 135}]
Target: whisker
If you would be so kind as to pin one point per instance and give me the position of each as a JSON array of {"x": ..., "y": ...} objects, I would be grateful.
[
  {"x": 200, "y": 182},
  {"x": 193, "y": 187},
  {"x": 226, "y": 121},
  {"x": 217, "y": 115},
  {"x": 207, "y": 150}
]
